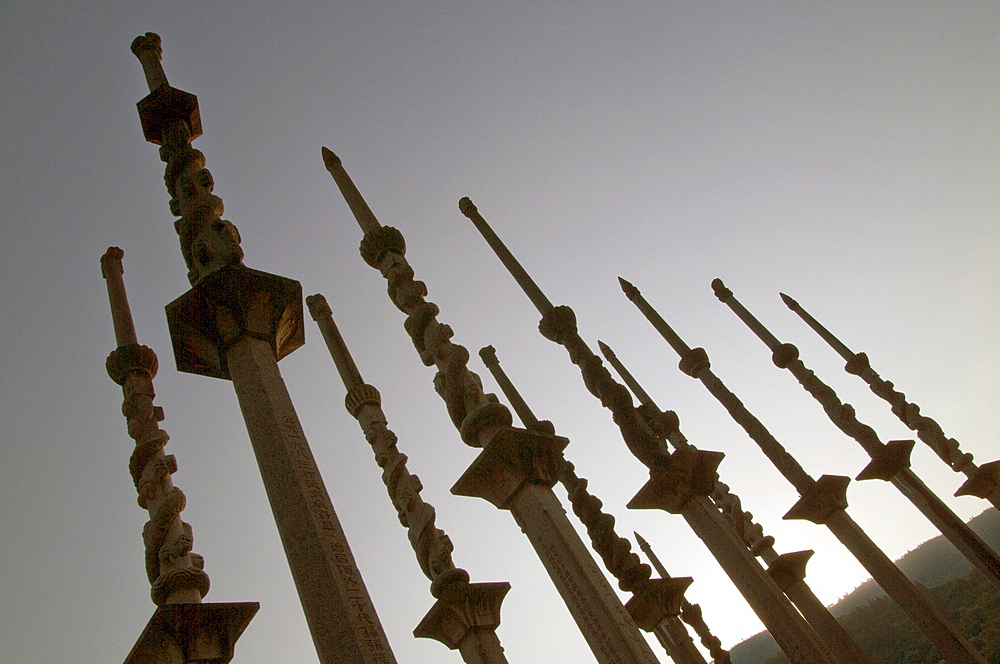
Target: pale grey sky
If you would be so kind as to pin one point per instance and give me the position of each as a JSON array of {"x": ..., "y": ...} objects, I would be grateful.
[{"x": 844, "y": 153}]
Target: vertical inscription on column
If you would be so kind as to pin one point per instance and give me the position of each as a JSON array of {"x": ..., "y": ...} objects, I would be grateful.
[{"x": 335, "y": 543}]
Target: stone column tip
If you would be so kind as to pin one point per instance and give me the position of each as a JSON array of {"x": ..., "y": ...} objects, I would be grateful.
[
  {"x": 488, "y": 354},
  {"x": 329, "y": 158},
  {"x": 720, "y": 290},
  {"x": 627, "y": 288},
  {"x": 466, "y": 206},
  {"x": 112, "y": 259},
  {"x": 605, "y": 349},
  {"x": 150, "y": 40},
  {"x": 318, "y": 306},
  {"x": 789, "y": 302}
]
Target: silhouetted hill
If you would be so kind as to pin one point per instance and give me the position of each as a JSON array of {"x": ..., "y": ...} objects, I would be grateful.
[{"x": 933, "y": 564}]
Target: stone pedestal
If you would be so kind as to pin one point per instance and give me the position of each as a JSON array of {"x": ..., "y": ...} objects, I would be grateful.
[
  {"x": 465, "y": 618},
  {"x": 192, "y": 633},
  {"x": 516, "y": 471}
]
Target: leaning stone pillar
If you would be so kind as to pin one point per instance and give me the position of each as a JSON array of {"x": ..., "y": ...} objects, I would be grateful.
[
  {"x": 236, "y": 323},
  {"x": 679, "y": 483},
  {"x": 183, "y": 629},
  {"x": 656, "y": 603},
  {"x": 516, "y": 469},
  {"x": 824, "y": 501},
  {"x": 466, "y": 615},
  {"x": 983, "y": 481}
]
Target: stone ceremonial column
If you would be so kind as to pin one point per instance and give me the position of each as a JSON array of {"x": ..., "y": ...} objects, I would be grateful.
[
  {"x": 680, "y": 483},
  {"x": 890, "y": 461},
  {"x": 983, "y": 481},
  {"x": 788, "y": 569},
  {"x": 183, "y": 629},
  {"x": 236, "y": 323},
  {"x": 465, "y": 615},
  {"x": 656, "y": 603},
  {"x": 690, "y": 613},
  {"x": 823, "y": 501},
  {"x": 516, "y": 468}
]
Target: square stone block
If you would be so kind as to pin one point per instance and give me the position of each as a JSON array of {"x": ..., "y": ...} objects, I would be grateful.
[
  {"x": 165, "y": 104},
  {"x": 228, "y": 304}
]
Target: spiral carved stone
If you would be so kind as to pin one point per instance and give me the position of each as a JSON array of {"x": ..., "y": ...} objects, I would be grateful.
[
  {"x": 470, "y": 408},
  {"x": 615, "y": 551},
  {"x": 175, "y": 573},
  {"x": 842, "y": 414},
  {"x": 928, "y": 430},
  {"x": 559, "y": 325},
  {"x": 692, "y": 615},
  {"x": 431, "y": 545},
  {"x": 208, "y": 242}
]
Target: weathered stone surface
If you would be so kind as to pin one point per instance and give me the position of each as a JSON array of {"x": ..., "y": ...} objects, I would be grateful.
[
  {"x": 893, "y": 459},
  {"x": 517, "y": 474},
  {"x": 192, "y": 633},
  {"x": 226, "y": 305},
  {"x": 176, "y": 574},
  {"x": 344, "y": 624},
  {"x": 827, "y": 495},
  {"x": 237, "y": 323},
  {"x": 465, "y": 615}
]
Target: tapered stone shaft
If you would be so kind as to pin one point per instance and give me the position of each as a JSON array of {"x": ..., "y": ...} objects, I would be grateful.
[
  {"x": 690, "y": 613},
  {"x": 657, "y": 610},
  {"x": 466, "y": 615},
  {"x": 826, "y": 491},
  {"x": 983, "y": 481},
  {"x": 182, "y": 624},
  {"x": 889, "y": 461},
  {"x": 236, "y": 323},
  {"x": 787, "y": 569},
  {"x": 679, "y": 484},
  {"x": 942, "y": 634},
  {"x": 516, "y": 468}
]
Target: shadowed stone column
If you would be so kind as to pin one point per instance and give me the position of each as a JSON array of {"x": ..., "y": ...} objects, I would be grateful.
[
  {"x": 983, "y": 481},
  {"x": 690, "y": 613},
  {"x": 826, "y": 502},
  {"x": 787, "y": 569},
  {"x": 517, "y": 468},
  {"x": 465, "y": 615},
  {"x": 236, "y": 323},
  {"x": 656, "y": 603},
  {"x": 680, "y": 483},
  {"x": 182, "y": 629}
]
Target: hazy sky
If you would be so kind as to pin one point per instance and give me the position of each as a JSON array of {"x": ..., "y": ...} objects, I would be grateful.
[{"x": 844, "y": 153}]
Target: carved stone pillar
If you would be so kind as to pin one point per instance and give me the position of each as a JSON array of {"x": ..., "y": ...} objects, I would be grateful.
[{"x": 236, "y": 323}]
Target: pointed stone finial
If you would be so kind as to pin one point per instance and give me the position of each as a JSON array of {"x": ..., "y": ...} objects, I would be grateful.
[
  {"x": 630, "y": 291},
  {"x": 789, "y": 302},
  {"x": 362, "y": 213},
  {"x": 330, "y": 160},
  {"x": 521, "y": 276}
]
